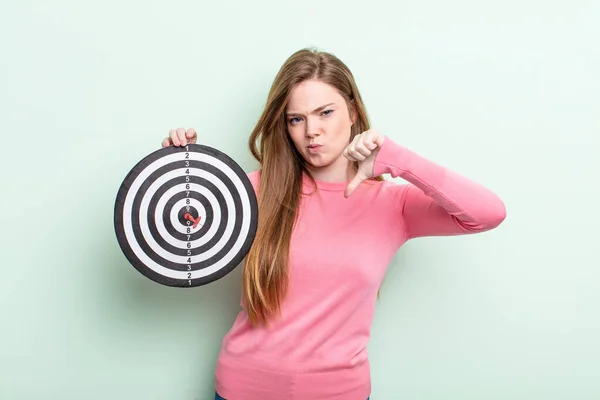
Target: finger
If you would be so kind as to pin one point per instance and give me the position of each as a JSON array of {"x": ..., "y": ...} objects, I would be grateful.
[
  {"x": 191, "y": 135},
  {"x": 353, "y": 185},
  {"x": 376, "y": 138},
  {"x": 361, "y": 148},
  {"x": 372, "y": 139},
  {"x": 345, "y": 153},
  {"x": 371, "y": 145},
  {"x": 356, "y": 155},
  {"x": 181, "y": 136},
  {"x": 173, "y": 137},
  {"x": 359, "y": 144},
  {"x": 166, "y": 142}
]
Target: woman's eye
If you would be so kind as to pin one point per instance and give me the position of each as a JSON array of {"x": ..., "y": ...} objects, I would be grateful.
[
  {"x": 327, "y": 112},
  {"x": 295, "y": 120}
]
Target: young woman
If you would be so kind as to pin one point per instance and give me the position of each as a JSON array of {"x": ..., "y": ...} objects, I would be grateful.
[{"x": 328, "y": 227}]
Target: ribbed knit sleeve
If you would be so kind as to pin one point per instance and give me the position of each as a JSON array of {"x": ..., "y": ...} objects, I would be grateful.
[{"x": 437, "y": 201}]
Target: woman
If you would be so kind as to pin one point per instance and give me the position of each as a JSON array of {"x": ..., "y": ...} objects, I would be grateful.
[{"x": 328, "y": 227}]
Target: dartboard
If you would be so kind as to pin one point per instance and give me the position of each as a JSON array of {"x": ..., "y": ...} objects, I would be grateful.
[{"x": 185, "y": 216}]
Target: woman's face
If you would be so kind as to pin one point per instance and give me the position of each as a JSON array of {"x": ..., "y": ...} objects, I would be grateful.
[{"x": 319, "y": 122}]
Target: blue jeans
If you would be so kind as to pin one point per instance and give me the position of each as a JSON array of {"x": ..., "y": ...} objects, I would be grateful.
[{"x": 217, "y": 397}]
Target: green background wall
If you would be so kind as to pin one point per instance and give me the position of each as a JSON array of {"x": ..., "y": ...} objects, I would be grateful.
[{"x": 505, "y": 93}]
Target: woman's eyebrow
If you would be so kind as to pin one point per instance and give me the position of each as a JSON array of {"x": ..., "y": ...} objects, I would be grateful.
[{"x": 289, "y": 114}]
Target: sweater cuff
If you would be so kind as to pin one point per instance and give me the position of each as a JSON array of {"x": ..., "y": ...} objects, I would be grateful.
[{"x": 390, "y": 159}]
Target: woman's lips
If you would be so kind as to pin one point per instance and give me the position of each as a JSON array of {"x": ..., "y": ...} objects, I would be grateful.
[{"x": 313, "y": 148}]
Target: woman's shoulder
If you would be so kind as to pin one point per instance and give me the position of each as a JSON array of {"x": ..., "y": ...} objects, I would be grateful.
[{"x": 254, "y": 177}]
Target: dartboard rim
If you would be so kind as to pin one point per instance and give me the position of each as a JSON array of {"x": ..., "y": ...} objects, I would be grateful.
[{"x": 119, "y": 204}]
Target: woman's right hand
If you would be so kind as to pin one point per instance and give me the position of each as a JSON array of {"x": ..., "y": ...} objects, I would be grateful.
[{"x": 180, "y": 137}]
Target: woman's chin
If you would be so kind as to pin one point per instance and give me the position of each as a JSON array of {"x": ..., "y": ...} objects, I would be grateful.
[
  {"x": 322, "y": 162},
  {"x": 317, "y": 162}
]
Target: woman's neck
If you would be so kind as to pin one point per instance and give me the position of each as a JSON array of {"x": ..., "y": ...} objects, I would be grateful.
[{"x": 342, "y": 170}]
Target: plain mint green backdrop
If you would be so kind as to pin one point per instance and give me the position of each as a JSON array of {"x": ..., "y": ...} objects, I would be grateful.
[{"x": 505, "y": 93}]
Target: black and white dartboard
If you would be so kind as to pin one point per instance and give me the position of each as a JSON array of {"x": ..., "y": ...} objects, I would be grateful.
[{"x": 185, "y": 216}]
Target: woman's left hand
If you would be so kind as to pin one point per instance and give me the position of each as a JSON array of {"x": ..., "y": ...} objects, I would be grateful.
[{"x": 363, "y": 148}]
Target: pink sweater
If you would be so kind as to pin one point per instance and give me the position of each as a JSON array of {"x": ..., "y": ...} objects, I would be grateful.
[{"x": 340, "y": 251}]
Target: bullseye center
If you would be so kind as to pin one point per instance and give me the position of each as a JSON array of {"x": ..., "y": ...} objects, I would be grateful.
[{"x": 188, "y": 216}]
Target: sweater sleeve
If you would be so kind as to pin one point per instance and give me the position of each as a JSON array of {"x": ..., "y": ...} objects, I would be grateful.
[{"x": 437, "y": 201}]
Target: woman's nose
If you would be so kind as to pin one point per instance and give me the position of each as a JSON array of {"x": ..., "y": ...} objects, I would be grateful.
[{"x": 312, "y": 127}]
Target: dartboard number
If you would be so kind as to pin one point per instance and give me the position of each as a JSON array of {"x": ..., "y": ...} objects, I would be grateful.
[{"x": 189, "y": 274}]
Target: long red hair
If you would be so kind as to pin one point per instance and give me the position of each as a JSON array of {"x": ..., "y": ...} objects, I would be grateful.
[{"x": 265, "y": 272}]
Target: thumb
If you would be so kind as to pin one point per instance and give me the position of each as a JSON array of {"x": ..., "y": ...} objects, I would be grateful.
[{"x": 357, "y": 180}]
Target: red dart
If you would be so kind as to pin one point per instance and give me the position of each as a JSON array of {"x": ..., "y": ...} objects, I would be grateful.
[{"x": 189, "y": 217}]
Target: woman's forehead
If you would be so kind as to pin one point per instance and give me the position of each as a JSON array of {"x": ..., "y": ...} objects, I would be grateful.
[{"x": 312, "y": 94}]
